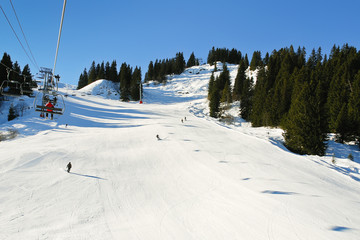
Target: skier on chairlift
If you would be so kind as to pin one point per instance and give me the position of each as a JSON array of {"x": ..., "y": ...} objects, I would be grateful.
[{"x": 49, "y": 105}]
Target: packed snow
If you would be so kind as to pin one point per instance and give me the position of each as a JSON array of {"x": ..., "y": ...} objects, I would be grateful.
[{"x": 205, "y": 179}]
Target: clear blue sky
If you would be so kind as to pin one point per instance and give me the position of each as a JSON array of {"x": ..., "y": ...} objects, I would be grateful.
[{"x": 139, "y": 31}]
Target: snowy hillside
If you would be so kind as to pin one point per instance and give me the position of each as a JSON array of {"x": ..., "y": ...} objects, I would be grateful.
[{"x": 204, "y": 179}]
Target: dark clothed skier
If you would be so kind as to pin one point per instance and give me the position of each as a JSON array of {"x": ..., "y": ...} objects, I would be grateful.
[{"x": 69, "y": 167}]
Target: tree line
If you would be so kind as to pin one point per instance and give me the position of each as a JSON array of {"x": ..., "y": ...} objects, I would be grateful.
[
  {"x": 158, "y": 70},
  {"x": 307, "y": 97},
  {"x": 129, "y": 79}
]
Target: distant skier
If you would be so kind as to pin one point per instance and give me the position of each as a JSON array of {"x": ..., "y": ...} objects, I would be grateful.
[
  {"x": 68, "y": 167},
  {"x": 157, "y": 136}
]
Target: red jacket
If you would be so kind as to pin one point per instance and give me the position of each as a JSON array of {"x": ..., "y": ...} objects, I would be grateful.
[{"x": 49, "y": 105}]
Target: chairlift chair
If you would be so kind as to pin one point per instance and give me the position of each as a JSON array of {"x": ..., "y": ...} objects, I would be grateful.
[
  {"x": 56, "y": 99},
  {"x": 11, "y": 88}
]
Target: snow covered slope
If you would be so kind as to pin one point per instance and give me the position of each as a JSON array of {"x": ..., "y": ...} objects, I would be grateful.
[{"x": 203, "y": 180}]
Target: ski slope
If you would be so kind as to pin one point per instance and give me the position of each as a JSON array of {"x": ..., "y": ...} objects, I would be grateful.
[{"x": 203, "y": 180}]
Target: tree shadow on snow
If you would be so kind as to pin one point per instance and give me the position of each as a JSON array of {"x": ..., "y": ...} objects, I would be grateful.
[
  {"x": 340, "y": 229},
  {"x": 279, "y": 192},
  {"x": 89, "y": 176}
]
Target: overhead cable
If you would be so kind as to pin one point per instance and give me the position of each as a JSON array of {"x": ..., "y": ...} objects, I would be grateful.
[
  {"x": 24, "y": 36},
  {"x": 17, "y": 36},
  {"x": 58, "y": 42}
]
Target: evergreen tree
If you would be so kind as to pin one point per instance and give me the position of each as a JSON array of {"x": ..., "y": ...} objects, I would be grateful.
[
  {"x": 150, "y": 72},
  {"x": 107, "y": 71},
  {"x": 12, "y": 113},
  {"x": 83, "y": 80},
  {"x": 113, "y": 74},
  {"x": 246, "y": 99},
  {"x": 303, "y": 133},
  {"x": 101, "y": 71},
  {"x": 256, "y": 60},
  {"x": 226, "y": 93},
  {"x": 246, "y": 61},
  {"x": 192, "y": 61},
  {"x": 214, "y": 103},
  {"x": 179, "y": 63},
  {"x": 337, "y": 100},
  {"x": 15, "y": 74},
  {"x": 92, "y": 73},
  {"x": 125, "y": 75},
  {"x": 27, "y": 87},
  {"x": 5, "y": 61},
  {"x": 239, "y": 80},
  {"x": 259, "y": 114},
  {"x": 211, "y": 85},
  {"x": 136, "y": 84},
  {"x": 354, "y": 109}
]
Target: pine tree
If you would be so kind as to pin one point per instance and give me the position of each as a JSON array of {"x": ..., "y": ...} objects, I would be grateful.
[
  {"x": 179, "y": 63},
  {"x": 226, "y": 93},
  {"x": 12, "y": 113},
  {"x": 107, "y": 71},
  {"x": 150, "y": 72},
  {"x": 256, "y": 60},
  {"x": 113, "y": 74},
  {"x": 259, "y": 111},
  {"x": 337, "y": 100},
  {"x": 354, "y": 109},
  {"x": 83, "y": 80},
  {"x": 214, "y": 103},
  {"x": 246, "y": 99},
  {"x": 136, "y": 84},
  {"x": 125, "y": 75},
  {"x": 92, "y": 73},
  {"x": 303, "y": 133},
  {"x": 239, "y": 80},
  {"x": 15, "y": 74},
  {"x": 191, "y": 62},
  {"x": 5, "y": 61},
  {"x": 211, "y": 85},
  {"x": 101, "y": 71}
]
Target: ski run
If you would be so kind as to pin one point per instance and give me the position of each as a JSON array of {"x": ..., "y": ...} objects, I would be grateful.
[{"x": 204, "y": 179}]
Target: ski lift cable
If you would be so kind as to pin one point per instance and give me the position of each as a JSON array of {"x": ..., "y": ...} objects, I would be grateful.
[
  {"x": 58, "y": 42},
  {"x": 24, "y": 35},
  {"x": 17, "y": 36}
]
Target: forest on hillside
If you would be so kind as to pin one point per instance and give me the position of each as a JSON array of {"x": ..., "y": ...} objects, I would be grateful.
[{"x": 308, "y": 97}]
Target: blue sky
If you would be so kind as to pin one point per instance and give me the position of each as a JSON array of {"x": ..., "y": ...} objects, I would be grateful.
[{"x": 137, "y": 32}]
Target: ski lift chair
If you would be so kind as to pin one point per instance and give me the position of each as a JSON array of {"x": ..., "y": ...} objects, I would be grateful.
[
  {"x": 40, "y": 106},
  {"x": 11, "y": 88}
]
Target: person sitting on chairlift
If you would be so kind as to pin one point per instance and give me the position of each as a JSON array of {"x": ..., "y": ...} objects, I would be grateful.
[{"x": 49, "y": 105}]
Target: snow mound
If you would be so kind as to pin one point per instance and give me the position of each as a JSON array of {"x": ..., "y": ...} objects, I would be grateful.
[{"x": 102, "y": 87}]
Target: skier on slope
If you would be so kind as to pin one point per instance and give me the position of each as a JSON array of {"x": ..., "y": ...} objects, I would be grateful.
[{"x": 68, "y": 167}]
